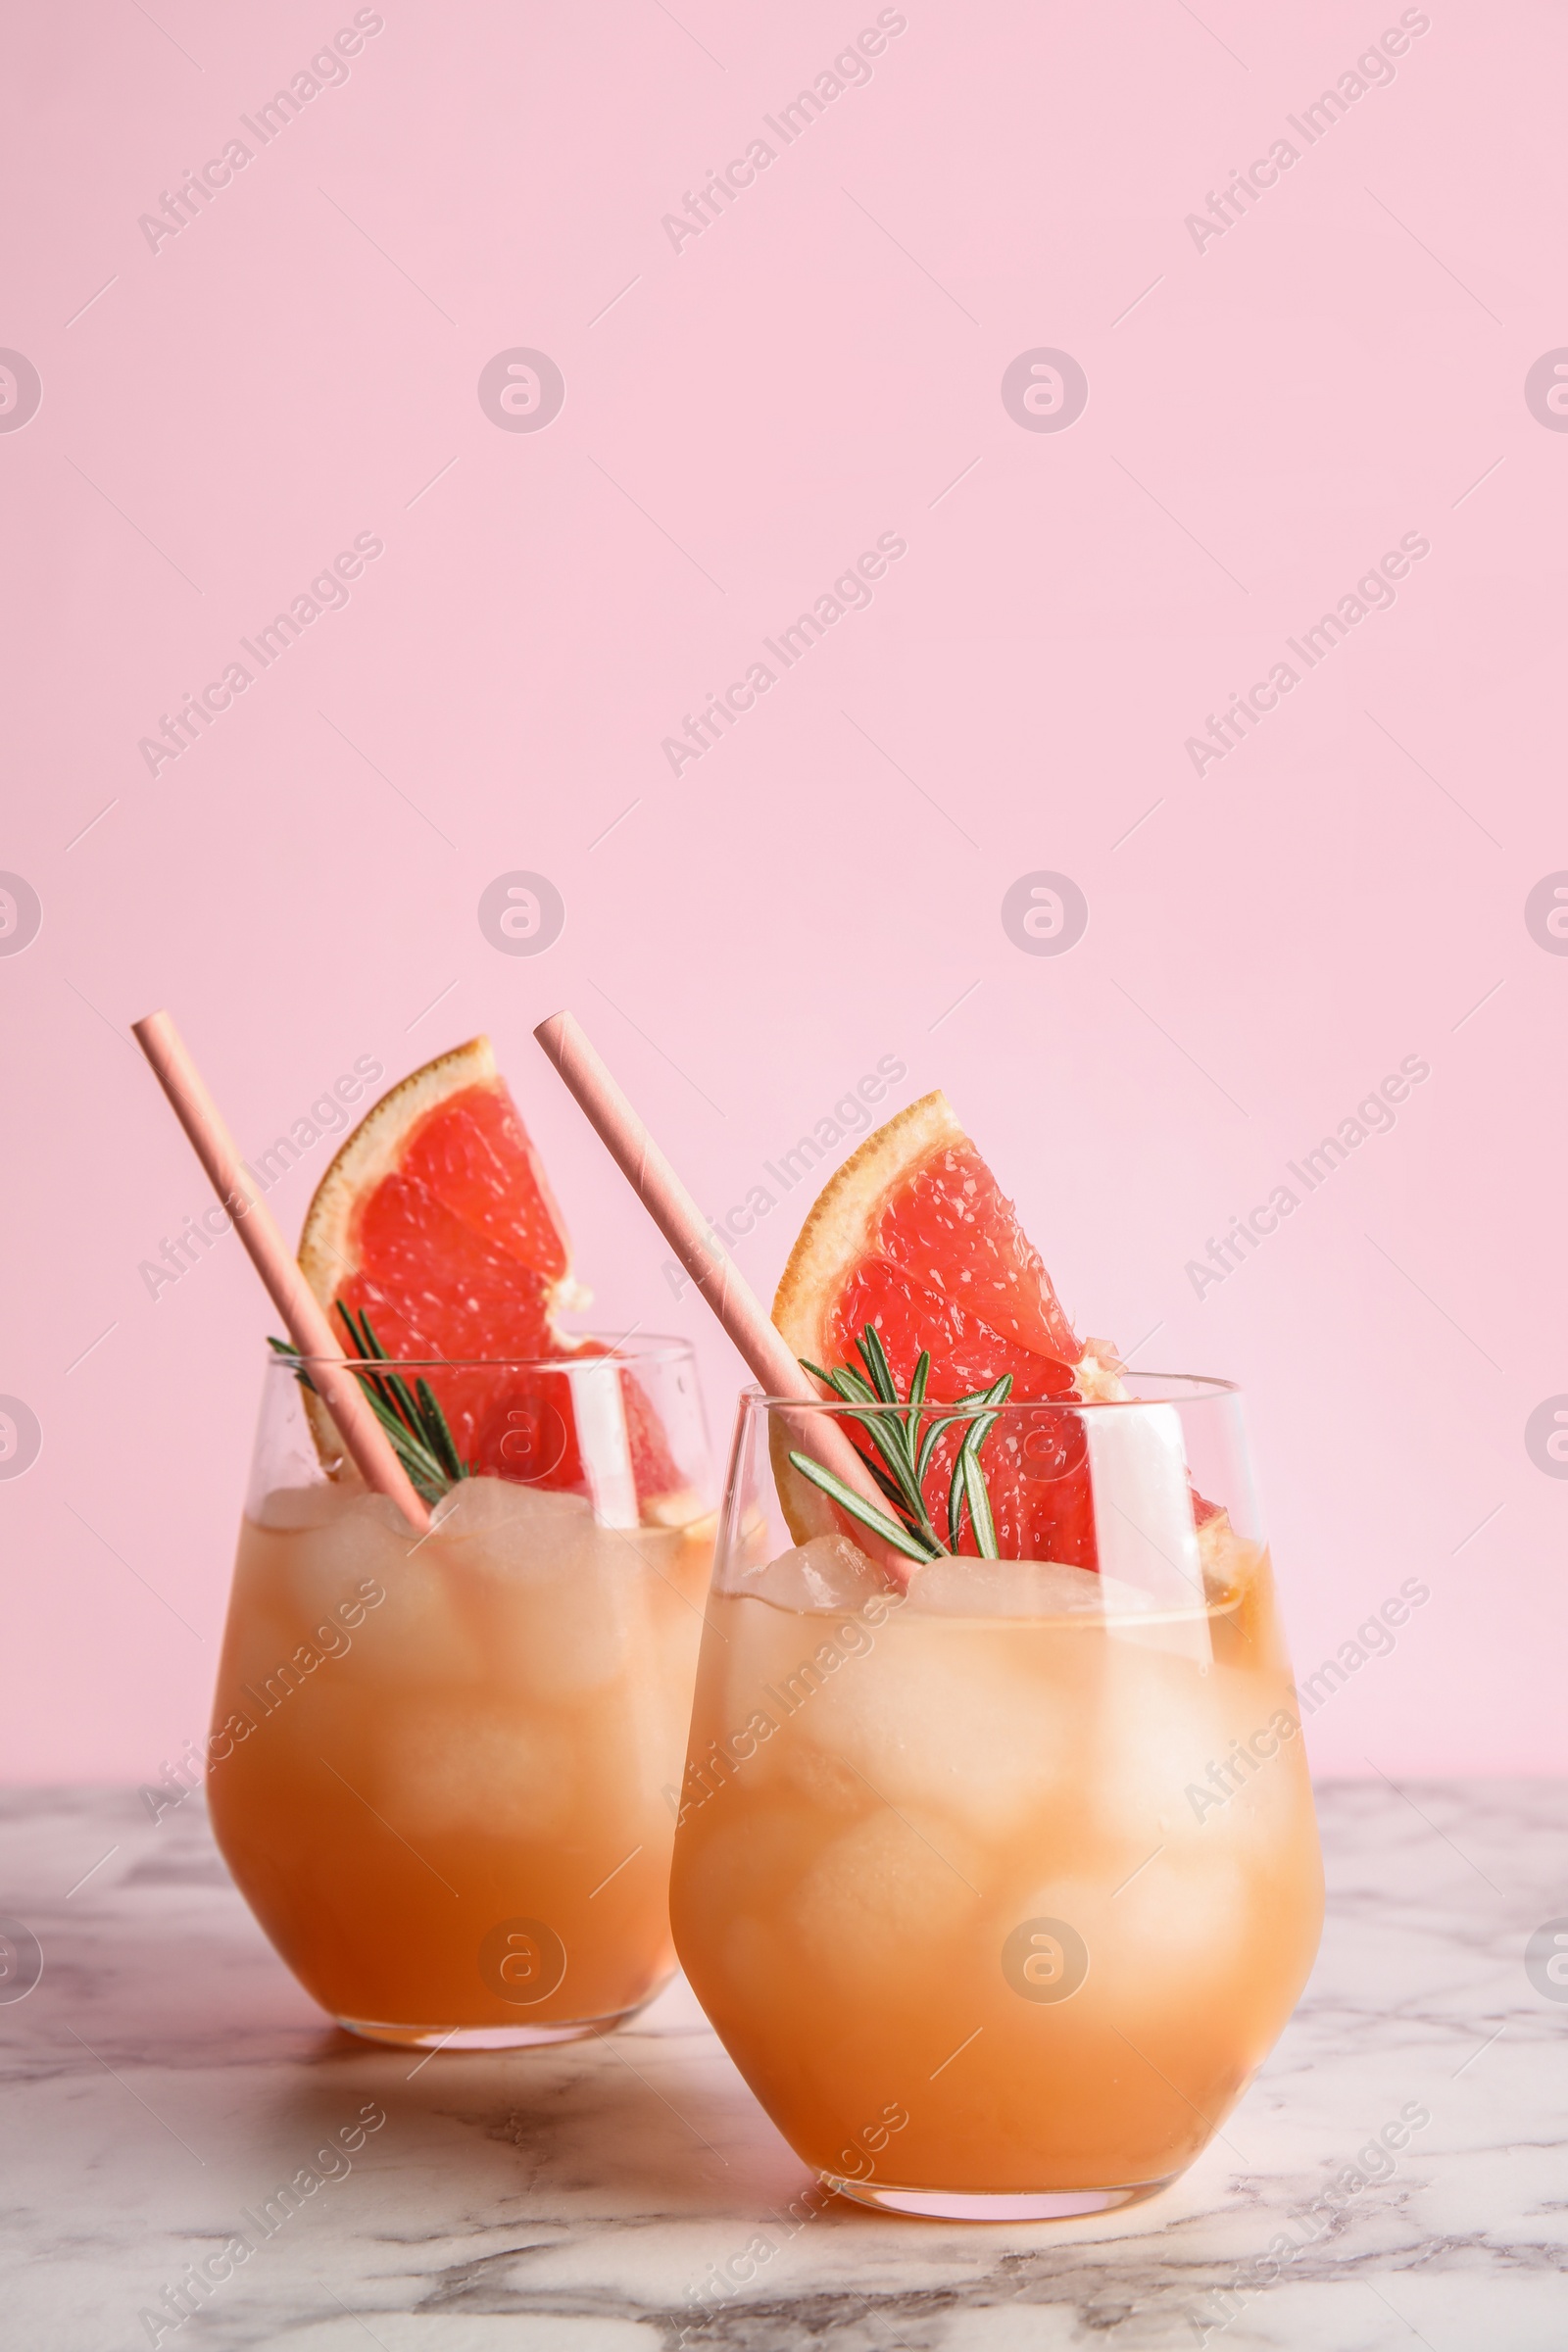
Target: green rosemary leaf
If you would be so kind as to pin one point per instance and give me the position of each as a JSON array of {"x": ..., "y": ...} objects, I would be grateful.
[
  {"x": 889, "y": 1486},
  {"x": 955, "y": 1497},
  {"x": 412, "y": 1440},
  {"x": 894, "y": 1426},
  {"x": 980, "y": 1519},
  {"x": 866, "y": 1512},
  {"x": 390, "y": 1385},
  {"x": 438, "y": 1435},
  {"x": 889, "y": 1436},
  {"x": 930, "y": 1442},
  {"x": 888, "y": 1439},
  {"x": 413, "y": 1420},
  {"x": 398, "y": 1389},
  {"x": 379, "y": 1387},
  {"x": 845, "y": 1384},
  {"x": 976, "y": 1492},
  {"x": 426, "y": 1472},
  {"x": 875, "y": 1360},
  {"x": 440, "y": 1429},
  {"x": 362, "y": 1343},
  {"x": 894, "y": 1460},
  {"x": 967, "y": 1484}
]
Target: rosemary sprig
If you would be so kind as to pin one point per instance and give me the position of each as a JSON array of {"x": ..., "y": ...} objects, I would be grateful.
[
  {"x": 893, "y": 1424},
  {"x": 411, "y": 1418}
]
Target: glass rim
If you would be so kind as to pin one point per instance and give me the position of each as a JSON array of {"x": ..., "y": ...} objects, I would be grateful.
[
  {"x": 625, "y": 1347},
  {"x": 1190, "y": 1388}
]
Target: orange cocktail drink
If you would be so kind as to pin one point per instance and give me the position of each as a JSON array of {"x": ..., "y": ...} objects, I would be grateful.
[
  {"x": 440, "y": 1764},
  {"x": 998, "y": 1889}
]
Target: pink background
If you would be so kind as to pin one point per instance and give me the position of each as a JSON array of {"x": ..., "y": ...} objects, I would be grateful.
[{"x": 821, "y": 364}]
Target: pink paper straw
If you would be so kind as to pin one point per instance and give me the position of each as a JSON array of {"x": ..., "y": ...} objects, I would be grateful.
[
  {"x": 727, "y": 1293},
  {"x": 307, "y": 1325}
]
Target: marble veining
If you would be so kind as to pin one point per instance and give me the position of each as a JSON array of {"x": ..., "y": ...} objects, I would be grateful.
[{"x": 165, "y": 2074}]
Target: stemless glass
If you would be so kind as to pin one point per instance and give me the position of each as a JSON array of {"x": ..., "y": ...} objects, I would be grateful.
[
  {"x": 440, "y": 1766},
  {"x": 999, "y": 1892}
]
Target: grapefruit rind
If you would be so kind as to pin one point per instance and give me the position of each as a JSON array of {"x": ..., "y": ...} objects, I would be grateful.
[
  {"x": 340, "y": 1234},
  {"x": 328, "y": 1244},
  {"x": 329, "y": 1254},
  {"x": 836, "y": 1235}
]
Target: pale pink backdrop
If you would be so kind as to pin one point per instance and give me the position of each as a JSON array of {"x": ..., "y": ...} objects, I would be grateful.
[{"x": 747, "y": 408}]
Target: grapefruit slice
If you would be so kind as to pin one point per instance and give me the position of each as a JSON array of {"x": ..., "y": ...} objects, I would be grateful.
[
  {"x": 914, "y": 1235},
  {"x": 436, "y": 1220}
]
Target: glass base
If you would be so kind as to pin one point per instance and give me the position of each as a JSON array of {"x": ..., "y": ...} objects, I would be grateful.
[
  {"x": 487, "y": 2038},
  {"x": 957, "y": 2205}
]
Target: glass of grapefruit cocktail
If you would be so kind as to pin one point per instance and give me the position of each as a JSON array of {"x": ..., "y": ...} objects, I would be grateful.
[
  {"x": 996, "y": 1866},
  {"x": 439, "y": 1765},
  {"x": 440, "y": 1751},
  {"x": 998, "y": 1889}
]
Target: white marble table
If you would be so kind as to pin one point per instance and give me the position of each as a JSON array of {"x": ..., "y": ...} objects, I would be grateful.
[{"x": 165, "y": 2074}]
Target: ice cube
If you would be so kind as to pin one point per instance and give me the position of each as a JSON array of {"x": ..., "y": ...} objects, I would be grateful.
[
  {"x": 567, "y": 1604},
  {"x": 966, "y": 1588},
  {"x": 318, "y": 1505},
  {"x": 732, "y": 1864},
  {"x": 1187, "y": 1920},
  {"x": 895, "y": 1883},
  {"x": 961, "y": 1718},
  {"x": 827, "y": 1574},
  {"x": 1164, "y": 1720},
  {"x": 512, "y": 1518},
  {"x": 471, "y": 1766},
  {"x": 421, "y": 1633},
  {"x": 346, "y": 1553},
  {"x": 573, "y": 1620},
  {"x": 746, "y": 1970},
  {"x": 355, "y": 1538},
  {"x": 827, "y": 1784}
]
